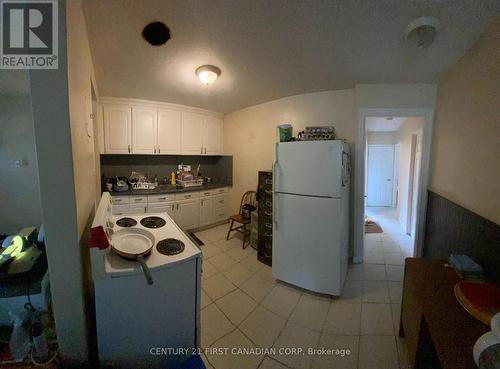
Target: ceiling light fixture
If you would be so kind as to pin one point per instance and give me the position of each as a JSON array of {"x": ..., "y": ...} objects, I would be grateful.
[
  {"x": 422, "y": 31},
  {"x": 208, "y": 74}
]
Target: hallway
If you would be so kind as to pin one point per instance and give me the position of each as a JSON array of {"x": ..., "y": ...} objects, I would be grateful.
[{"x": 393, "y": 233}]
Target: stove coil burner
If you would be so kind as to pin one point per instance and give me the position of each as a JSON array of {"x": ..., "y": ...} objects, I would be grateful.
[
  {"x": 126, "y": 222},
  {"x": 153, "y": 222},
  {"x": 170, "y": 246}
]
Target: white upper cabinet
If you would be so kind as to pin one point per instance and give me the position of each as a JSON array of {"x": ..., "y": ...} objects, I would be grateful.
[
  {"x": 212, "y": 136},
  {"x": 117, "y": 129},
  {"x": 192, "y": 133},
  {"x": 144, "y": 127},
  {"x": 169, "y": 132},
  {"x": 141, "y": 127}
]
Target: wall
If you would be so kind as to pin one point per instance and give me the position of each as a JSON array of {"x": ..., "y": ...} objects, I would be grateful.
[
  {"x": 80, "y": 75},
  {"x": 19, "y": 186},
  {"x": 396, "y": 96},
  {"x": 466, "y": 148},
  {"x": 250, "y": 134},
  {"x": 219, "y": 168},
  {"x": 81, "y": 85},
  {"x": 49, "y": 93},
  {"x": 410, "y": 127}
]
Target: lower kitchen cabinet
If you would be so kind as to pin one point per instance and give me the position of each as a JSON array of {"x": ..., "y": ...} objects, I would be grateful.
[
  {"x": 206, "y": 211},
  {"x": 165, "y": 207},
  {"x": 189, "y": 210},
  {"x": 137, "y": 208},
  {"x": 187, "y": 213}
]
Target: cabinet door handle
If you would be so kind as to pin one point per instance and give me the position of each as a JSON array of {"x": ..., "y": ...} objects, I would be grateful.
[
  {"x": 129, "y": 149},
  {"x": 201, "y": 202},
  {"x": 205, "y": 151},
  {"x": 177, "y": 206},
  {"x": 159, "y": 150},
  {"x": 173, "y": 207},
  {"x": 162, "y": 198},
  {"x": 201, "y": 150},
  {"x": 154, "y": 150}
]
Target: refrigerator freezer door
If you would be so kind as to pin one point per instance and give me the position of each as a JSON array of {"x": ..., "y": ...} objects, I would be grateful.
[
  {"x": 307, "y": 243},
  {"x": 311, "y": 168}
]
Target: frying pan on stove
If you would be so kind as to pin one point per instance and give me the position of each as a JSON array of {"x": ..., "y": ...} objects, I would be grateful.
[{"x": 134, "y": 244}]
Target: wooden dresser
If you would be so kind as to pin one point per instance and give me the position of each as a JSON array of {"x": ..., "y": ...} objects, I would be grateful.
[{"x": 439, "y": 332}]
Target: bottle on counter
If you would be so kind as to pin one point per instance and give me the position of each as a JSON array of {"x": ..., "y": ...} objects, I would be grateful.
[{"x": 172, "y": 179}]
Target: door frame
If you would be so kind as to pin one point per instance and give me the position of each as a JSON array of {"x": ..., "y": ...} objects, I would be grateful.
[
  {"x": 395, "y": 181},
  {"x": 392, "y": 146},
  {"x": 414, "y": 171},
  {"x": 359, "y": 174}
]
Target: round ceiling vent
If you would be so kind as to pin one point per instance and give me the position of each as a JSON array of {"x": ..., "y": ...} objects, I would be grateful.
[
  {"x": 156, "y": 33},
  {"x": 422, "y": 31}
]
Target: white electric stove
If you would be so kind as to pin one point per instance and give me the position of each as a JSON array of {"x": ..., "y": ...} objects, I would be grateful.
[{"x": 140, "y": 324}]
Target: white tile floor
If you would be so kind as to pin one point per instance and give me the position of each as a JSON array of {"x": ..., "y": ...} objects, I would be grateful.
[{"x": 243, "y": 306}]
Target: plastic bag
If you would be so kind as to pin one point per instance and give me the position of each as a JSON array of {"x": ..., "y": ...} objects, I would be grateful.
[{"x": 19, "y": 343}]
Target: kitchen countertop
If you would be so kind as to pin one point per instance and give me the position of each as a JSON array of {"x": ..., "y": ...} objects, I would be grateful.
[{"x": 165, "y": 189}]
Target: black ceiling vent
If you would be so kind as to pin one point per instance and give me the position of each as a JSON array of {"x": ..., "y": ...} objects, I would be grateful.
[{"x": 156, "y": 33}]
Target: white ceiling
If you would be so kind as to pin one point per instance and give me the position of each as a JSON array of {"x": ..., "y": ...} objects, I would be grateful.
[
  {"x": 376, "y": 124},
  {"x": 271, "y": 49}
]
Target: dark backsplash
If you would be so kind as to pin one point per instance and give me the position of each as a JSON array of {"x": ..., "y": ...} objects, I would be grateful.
[
  {"x": 219, "y": 168},
  {"x": 451, "y": 228}
]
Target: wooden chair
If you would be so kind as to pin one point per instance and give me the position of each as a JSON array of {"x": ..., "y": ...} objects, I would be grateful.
[{"x": 249, "y": 197}]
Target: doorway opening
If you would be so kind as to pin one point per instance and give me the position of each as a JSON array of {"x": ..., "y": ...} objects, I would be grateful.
[{"x": 393, "y": 154}]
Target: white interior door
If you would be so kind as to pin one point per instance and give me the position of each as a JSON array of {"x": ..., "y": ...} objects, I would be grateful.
[
  {"x": 169, "y": 132},
  {"x": 380, "y": 175},
  {"x": 144, "y": 124},
  {"x": 191, "y": 134},
  {"x": 117, "y": 129},
  {"x": 212, "y": 136}
]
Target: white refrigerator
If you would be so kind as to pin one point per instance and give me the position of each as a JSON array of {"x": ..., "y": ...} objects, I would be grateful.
[{"x": 311, "y": 214}]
